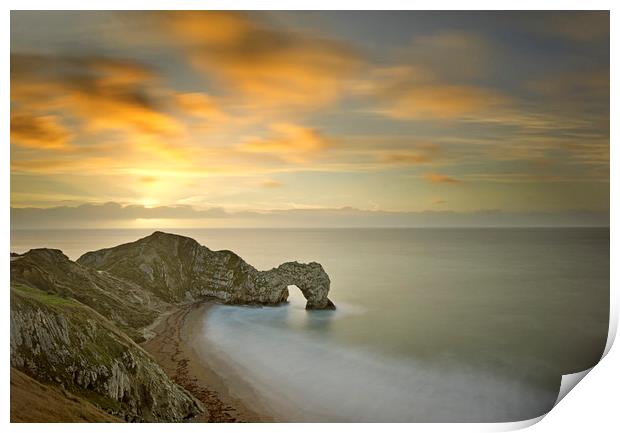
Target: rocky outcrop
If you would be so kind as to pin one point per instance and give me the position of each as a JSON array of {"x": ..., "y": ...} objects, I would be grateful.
[
  {"x": 128, "y": 305},
  {"x": 311, "y": 279},
  {"x": 179, "y": 269},
  {"x": 75, "y": 325},
  {"x": 61, "y": 341}
]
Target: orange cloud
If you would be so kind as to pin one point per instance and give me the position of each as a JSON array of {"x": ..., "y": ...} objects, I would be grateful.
[
  {"x": 103, "y": 94},
  {"x": 270, "y": 66},
  {"x": 270, "y": 183},
  {"x": 198, "y": 105},
  {"x": 444, "y": 101},
  {"x": 418, "y": 92},
  {"x": 70, "y": 165},
  {"x": 440, "y": 178},
  {"x": 291, "y": 142},
  {"x": 208, "y": 27},
  {"x": 423, "y": 154},
  {"x": 148, "y": 179},
  {"x": 118, "y": 104},
  {"x": 39, "y": 132},
  {"x": 119, "y": 72},
  {"x": 406, "y": 158}
]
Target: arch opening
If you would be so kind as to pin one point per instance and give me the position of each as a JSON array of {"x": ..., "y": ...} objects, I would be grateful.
[{"x": 312, "y": 281}]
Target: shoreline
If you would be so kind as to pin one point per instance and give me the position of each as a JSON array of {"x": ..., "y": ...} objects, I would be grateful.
[{"x": 173, "y": 346}]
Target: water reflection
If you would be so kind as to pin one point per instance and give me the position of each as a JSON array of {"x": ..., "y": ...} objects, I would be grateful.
[{"x": 296, "y": 316}]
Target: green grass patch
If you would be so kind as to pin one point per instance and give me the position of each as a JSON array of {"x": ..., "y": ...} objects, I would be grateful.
[{"x": 41, "y": 296}]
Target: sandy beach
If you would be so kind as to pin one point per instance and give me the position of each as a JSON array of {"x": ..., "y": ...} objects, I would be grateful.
[{"x": 174, "y": 347}]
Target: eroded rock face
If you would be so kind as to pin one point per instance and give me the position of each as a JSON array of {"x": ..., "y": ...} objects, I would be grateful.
[
  {"x": 311, "y": 279},
  {"x": 128, "y": 305},
  {"x": 179, "y": 269},
  {"x": 61, "y": 341},
  {"x": 76, "y": 325}
]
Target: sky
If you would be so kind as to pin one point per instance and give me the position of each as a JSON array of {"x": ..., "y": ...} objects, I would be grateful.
[{"x": 251, "y": 119}]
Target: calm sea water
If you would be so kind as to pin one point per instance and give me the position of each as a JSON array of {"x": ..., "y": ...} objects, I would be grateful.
[{"x": 432, "y": 324}]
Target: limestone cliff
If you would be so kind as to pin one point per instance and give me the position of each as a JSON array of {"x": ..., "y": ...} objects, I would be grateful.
[
  {"x": 311, "y": 280},
  {"x": 74, "y": 326},
  {"x": 61, "y": 341},
  {"x": 128, "y": 305},
  {"x": 179, "y": 269}
]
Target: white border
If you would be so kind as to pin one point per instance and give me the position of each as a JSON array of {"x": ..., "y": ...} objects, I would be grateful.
[{"x": 591, "y": 407}]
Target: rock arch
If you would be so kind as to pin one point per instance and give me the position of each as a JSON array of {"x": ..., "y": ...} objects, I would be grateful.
[
  {"x": 178, "y": 269},
  {"x": 311, "y": 279}
]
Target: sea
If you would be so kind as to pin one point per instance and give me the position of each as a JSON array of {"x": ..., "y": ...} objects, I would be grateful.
[{"x": 431, "y": 325}]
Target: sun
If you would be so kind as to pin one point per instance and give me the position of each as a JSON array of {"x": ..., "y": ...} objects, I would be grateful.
[{"x": 148, "y": 202}]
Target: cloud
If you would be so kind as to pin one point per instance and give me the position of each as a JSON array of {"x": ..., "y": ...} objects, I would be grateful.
[
  {"x": 577, "y": 26},
  {"x": 270, "y": 183},
  {"x": 435, "y": 80},
  {"x": 453, "y": 54},
  {"x": 566, "y": 115},
  {"x": 440, "y": 178},
  {"x": 102, "y": 215},
  {"x": 105, "y": 103},
  {"x": 291, "y": 142},
  {"x": 116, "y": 122},
  {"x": 445, "y": 101},
  {"x": 103, "y": 94},
  {"x": 107, "y": 212},
  {"x": 148, "y": 179},
  {"x": 580, "y": 99},
  {"x": 421, "y": 154},
  {"x": 443, "y": 78},
  {"x": 114, "y": 113},
  {"x": 406, "y": 158},
  {"x": 199, "y": 105},
  {"x": 593, "y": 84},
  {"x": 270, "y": 66},
  {"x": 39, "y": 131},
  {"x": 413, "y": 92}
]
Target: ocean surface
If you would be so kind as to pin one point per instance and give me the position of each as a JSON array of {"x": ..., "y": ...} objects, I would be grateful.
[{"x": 452, "y": 325}]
